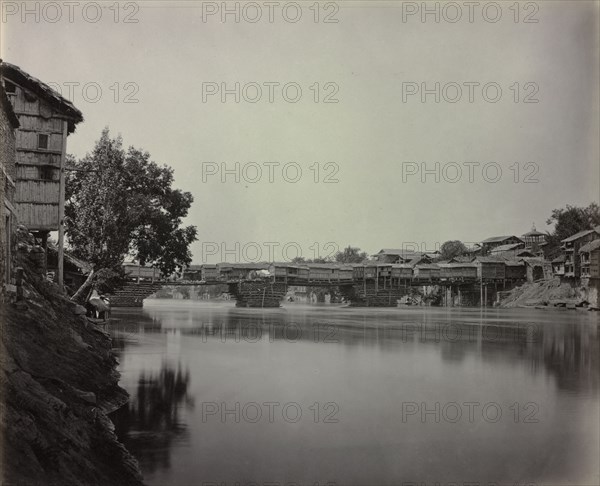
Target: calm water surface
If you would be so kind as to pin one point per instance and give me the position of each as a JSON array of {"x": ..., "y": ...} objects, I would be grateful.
[{"x": 318, "y": 394}]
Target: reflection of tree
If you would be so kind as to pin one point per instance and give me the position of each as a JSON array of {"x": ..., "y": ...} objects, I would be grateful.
[
  {"x": 126, "y": 328},
  {"x": 149, "y": 423},
  {"x": 572, "y": 356},
  {"x": 567, "y": 351}
]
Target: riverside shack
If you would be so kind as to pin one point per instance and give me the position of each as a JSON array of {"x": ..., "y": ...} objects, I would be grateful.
[
  {"x": 8, "y": 124},
  {"x": 45, "y": 120}
]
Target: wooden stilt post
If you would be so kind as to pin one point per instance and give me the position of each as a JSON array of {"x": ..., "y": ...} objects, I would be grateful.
[
  {"x": 481, "y": 292},
  {"x": 486, "y": 297},
  {"x": 61, "y": 207}
]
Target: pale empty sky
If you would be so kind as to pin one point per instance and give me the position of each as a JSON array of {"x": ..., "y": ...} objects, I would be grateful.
[{"x": 375, "y": 60}]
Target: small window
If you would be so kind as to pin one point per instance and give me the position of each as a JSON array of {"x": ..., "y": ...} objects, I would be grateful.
[
  {"x": 9, "y": 87},
  {"x": 42, "y": 141},
  {"x": 47, "y": 172}
]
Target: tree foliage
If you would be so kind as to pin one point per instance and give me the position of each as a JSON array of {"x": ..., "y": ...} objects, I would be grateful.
[
  {"x": 121, "y": 204},
  {"x": 300, "y": 260},
  {"x": 351, "y": 255},
  {"x": 347, "y": 255},
  {"x": 451, "y": 249},
  {"x": 570, "y": 220}
]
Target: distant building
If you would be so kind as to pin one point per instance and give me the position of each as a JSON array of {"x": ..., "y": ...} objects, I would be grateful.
[
  {"x": 192, "y": 272},
  {"x": 510, "y": 249},
  {"x": 490, "y": 243},
  {"x": 535, "y": 268},
  {"x": 571, "y": 247},
  {"x": 558, "y": 266},
  {"x": 534, "y": 240},
  {"x": 490, "y": 268},
  {"x": 8, "y": 124},
  {"x": 463, "y": 259},
  {"x": 419, "y": 260},
  {"x": 590, "y": 259},
  {"x": 395, "y": 255},
  {"x": 148, "y": 273},
  {"x": 472, "y": 252},
  {"x": 514, "y": 255},
  {"x": 515, "y": 270},
  {"x": 46, "y": 119}
]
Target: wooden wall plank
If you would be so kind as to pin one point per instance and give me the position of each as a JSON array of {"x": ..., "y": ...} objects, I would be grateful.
[
  {"x": 37, "y": 191},
  {"x": 37, "y": 158},
  {"x": 37, "y": 216}
]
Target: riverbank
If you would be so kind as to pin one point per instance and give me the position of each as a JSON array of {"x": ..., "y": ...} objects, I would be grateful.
[
  {"x": 59, "y": 382},
  {"x": 550, "y": 293}
]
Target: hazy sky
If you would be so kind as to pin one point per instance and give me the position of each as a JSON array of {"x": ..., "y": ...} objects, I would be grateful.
[{"x": 371, "y": 57}]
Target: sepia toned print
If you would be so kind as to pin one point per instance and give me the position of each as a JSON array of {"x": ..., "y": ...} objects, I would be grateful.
[{"x": 307, "y": 242}]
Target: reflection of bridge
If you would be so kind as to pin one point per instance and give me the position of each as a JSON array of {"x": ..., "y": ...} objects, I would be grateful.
[{"x": 365, "y": 284}]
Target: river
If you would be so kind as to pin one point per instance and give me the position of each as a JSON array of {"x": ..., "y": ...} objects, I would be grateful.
[{"x": 327, "y": 394}]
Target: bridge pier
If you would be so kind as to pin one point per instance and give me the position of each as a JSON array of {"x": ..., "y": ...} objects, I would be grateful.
[
  {"x": 133, "y": 294},
  {"x": 260, "y": 294},
  {"x": 370, "y": 294}
]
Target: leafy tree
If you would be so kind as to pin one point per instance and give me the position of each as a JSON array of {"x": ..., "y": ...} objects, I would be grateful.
[
  {"x": 301, "y": 260},
  {"x": 570, "y": 220},
  {"x": 351, "y": 255},
  {"x": 120, "y": 203},
  {"x": 320, "y": 260},
  {"x": 348, "y": 255},
  {"x": 451, "y": 249}
]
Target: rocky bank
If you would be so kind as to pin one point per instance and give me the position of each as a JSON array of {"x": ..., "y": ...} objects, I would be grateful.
[
  {"x": 58, "y": 383},
  {"x": 549, "y": 293}
]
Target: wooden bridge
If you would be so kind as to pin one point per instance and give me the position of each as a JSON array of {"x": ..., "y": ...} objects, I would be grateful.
[{"x": 365, "y": 284}]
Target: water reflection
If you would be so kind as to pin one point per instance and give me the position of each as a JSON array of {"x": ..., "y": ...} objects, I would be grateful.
[
  {"x": 568, "y": 350},
  {"x": 571, "y": 356},
  {"x": 151, "y": 420},
  {"x": 368, "y": 362}
]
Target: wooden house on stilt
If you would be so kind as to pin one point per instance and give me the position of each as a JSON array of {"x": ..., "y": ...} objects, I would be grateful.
[{"x": 45, "y": 119}]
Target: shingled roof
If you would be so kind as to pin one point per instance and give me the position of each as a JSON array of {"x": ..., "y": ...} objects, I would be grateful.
[
  {"x": 591, "y": 246},
  {"x": 8, "y": 108},
  {"x": 534, "y": 232},
  {"x": 56, "y": 101},
  {"x": 498, "y": 239},
  {"x": 509, "y": 247},
  {"x": 581, "y": 234},
  {"x": 489, "y": 259}
]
